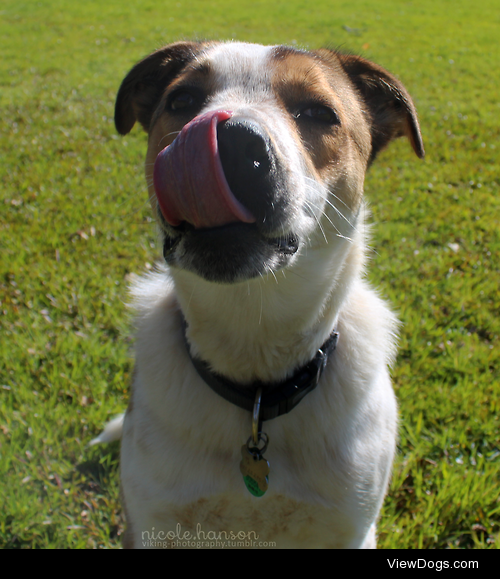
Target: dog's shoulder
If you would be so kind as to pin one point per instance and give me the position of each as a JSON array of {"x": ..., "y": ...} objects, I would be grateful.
[
  {"x": 157, "y": 317},
  {"x": 149, "y": 290},
  {"x": 367, "y": 325}
]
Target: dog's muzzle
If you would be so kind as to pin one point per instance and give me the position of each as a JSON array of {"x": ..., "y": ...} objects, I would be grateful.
[{"x": 221, "y": 191}]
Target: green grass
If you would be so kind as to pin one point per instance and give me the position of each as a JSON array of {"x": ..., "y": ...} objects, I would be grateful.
[{"x": 74, "y": 223}]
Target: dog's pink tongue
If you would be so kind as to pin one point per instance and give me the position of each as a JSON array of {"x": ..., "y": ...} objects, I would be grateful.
[{"x": 189, "y": 180}]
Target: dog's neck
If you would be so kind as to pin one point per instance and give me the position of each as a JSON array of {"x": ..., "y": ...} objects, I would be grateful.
[{"x": 265, "y": 328}]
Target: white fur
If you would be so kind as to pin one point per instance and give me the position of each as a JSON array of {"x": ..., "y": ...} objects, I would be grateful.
[
  {"x": 331, "y": 457},
  {"x": 112, "y": 432}
]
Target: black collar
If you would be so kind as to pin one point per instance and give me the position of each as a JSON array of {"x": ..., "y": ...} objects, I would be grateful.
[{"x": 277, "y": 398}]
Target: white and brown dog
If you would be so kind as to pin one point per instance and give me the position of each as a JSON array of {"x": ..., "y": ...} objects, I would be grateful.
[{"x": 255, "y": 166}]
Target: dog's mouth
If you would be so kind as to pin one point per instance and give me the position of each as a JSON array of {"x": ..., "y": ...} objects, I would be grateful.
[
  {"x": 229, "y": 253},
  {"x": 216, "y": 192},
  {"x": 287, "y": 244}
]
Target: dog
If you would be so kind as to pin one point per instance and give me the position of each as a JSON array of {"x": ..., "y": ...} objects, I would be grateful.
[{"x": 261, "y": 411}]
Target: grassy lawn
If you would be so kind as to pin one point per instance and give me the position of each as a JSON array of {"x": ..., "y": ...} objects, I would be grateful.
[{"x": 75, "y": 224}]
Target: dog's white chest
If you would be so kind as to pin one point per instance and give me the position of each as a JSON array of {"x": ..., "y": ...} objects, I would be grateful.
[{"x": 255, "y": 167}]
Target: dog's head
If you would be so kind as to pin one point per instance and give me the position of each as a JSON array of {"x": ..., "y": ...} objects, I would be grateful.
[{"x": 258, "y": 154}]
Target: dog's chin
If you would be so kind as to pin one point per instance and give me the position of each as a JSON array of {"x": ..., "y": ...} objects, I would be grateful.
[{"x": 229, "y": 254}]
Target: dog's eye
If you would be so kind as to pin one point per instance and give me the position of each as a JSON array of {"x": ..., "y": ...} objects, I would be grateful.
[
  {"x": 320, "y": 113},
  {"x": 182, "y": 100}
]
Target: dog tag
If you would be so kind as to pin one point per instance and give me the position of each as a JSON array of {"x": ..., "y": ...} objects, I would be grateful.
[{"x": 255, "y": 470}]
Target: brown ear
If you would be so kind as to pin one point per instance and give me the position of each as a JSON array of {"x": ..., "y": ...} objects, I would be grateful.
[
  {"x": 142, "y": 88},
  {"x": 390, "y": 107}
]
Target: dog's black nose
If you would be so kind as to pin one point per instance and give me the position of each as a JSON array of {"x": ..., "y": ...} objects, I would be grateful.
[{"x": 247, "y": 159}]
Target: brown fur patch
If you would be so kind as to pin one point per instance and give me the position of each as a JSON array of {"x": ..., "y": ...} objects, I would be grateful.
[
  {"x": 301, "y": 80},
  {"x": 272, "y": 521}
]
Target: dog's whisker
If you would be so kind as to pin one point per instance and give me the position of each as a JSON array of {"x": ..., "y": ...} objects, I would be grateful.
[
  {"x": 313, "y": 185},
  {"x": 293, "y": 272},
  {"x": 334, "y": 207},
  {"x": 168, "y": 135},
  {"x": 318, "y": 222},
  {"x": 338, "y": 210},
  {"x": 274, "y": 275},
  {"x": 338, "y": 234},
  {"x": 322, "y": 212},
  {"x": 261, "y": 299},
  {"x": 192, "y": 294},
  {"x": 308, "y": 205}
]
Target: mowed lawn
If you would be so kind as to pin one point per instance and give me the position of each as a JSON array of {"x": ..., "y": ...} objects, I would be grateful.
[{"x": 75, "y": 226}]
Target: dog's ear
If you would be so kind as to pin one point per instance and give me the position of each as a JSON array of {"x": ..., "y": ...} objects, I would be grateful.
[
  {"x": 388, "y": 103},
  {"x": 142, "y": 88}
]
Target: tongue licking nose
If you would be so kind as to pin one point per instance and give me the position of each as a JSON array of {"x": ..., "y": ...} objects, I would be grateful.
[{"x": 189, "y": 180}]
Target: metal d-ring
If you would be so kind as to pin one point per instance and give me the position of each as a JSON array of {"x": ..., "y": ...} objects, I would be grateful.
[
  {"x": 256, "y": 422},
  {"x": 255, "y": 450}
]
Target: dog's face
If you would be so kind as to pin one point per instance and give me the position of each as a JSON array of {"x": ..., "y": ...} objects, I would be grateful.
[{"x": 258, "y": 154}]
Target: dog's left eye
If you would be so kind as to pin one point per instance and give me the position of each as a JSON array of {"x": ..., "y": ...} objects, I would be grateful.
[{"x": 320, "y": 113}]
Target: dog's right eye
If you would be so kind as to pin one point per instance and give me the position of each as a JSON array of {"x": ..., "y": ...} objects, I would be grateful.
[{"x": 182, "y": 100}]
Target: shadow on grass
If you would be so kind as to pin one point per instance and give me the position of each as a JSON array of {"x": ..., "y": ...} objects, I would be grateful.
[{"x": 101, "y": 469}]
